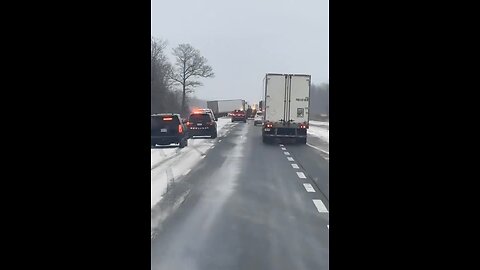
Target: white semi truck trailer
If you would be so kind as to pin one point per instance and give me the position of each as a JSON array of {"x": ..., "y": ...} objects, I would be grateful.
[{"x": 286, "y": 107}]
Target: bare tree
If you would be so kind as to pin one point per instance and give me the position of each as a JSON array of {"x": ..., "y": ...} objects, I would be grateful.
[
  {"x": 189, "y": 67},
  {"x": 162, "y": 98}
]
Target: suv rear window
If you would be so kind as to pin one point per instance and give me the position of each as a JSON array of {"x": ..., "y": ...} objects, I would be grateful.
[
  {"x": 200, "y": 117},
  {"x": 169, "y": 122}
]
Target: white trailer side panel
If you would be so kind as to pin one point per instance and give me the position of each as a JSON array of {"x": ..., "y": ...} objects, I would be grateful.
[
  {"x": 274, "y": 97},
  {"x": 299, "y": 96},
  {"x": 225, "y": 106}
]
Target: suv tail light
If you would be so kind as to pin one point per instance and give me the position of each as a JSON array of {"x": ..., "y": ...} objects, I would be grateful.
[
  {"x": 188, "y": 123},
  {"x": 180, "y": 129}
]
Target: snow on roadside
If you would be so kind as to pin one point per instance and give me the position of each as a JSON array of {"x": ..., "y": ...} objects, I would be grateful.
[
  {"x": 318, "y": 123},
  {"x": 319, "y": 132}
]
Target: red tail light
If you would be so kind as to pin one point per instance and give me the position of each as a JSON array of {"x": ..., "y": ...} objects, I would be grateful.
[
  {"x": 188, "y": 123},
  {"x": 180, "y": 129},
  {"x": 167, "y": 119}
]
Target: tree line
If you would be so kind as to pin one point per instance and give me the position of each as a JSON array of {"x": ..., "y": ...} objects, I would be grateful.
[
  {"x": 170, "y": 83},
  {"x": 319, "y": 101}
]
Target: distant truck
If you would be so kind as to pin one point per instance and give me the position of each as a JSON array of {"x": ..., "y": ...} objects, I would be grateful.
[
  {"x": 286, "y": 107},
  {"x": 224, "y": 107}
]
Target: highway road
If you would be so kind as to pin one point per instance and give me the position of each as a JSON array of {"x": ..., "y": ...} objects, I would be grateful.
[{"x": 244, "y": 205}]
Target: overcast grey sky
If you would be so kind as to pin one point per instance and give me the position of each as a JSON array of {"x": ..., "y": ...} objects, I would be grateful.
[{"x": 245, "y": 39}]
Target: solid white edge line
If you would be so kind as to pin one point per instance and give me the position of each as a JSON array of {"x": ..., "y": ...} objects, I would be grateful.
[
  {"x": 185, "y": 173},
  {"x": 308, "y": 187},
  {"x": 287, "y": 153},
  {"x": 295, "y": 166},
  {"x": 318, "y": 149},
  {"x": 320, "y": 206},
  {"x": 301, "y": 175}
]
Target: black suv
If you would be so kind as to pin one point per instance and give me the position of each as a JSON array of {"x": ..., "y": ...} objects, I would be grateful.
[
  {"x": 168, "y": 128},
  {"x": 202, "y": 124}
]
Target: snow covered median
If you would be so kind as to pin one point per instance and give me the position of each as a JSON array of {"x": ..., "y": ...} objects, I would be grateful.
[{"x": 168, "y": 165}]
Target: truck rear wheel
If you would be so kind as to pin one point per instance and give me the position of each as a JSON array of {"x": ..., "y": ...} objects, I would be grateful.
[
  {"x": 302, "y": 140},
  {"x": 265, "y": 139}
]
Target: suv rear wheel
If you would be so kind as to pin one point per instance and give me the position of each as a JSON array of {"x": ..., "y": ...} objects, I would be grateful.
[
  {"x": 214, "y": 135},
  {"x": 183, "y": 143}
]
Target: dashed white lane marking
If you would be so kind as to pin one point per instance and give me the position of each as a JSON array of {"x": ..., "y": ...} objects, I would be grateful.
[
  {"x": 281, "y": 145},
  {"x": 320, "y": 206},
  {"x": 213, "y": 146},
  {"x": 283, "y": 148},
  {"x": 318, "y": 149},
  {"x": 219, "y": 140},
  {"x": 290, "y": 159},
  {"x": 203, "y": 156},
  {"x": 287, "y": 153},
  {"x": 301, "y": 175},
  {"x": 328, "y": 226},
  {"x": 295, "y": 166},
  {"x": 308, "y": 187},
  {"x": 185, "y": 173}
]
